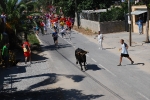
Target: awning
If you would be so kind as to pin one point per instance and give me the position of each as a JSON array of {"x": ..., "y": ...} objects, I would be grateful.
[{"x": 138, "y": 12}]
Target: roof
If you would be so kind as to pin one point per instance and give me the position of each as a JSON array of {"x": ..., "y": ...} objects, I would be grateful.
[
  {"x": 138, "y": 12},
  {"x": 94, "y": 11}
]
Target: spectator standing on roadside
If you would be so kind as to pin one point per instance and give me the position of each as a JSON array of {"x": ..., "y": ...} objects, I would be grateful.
[
  {"x": 140, "y": 25},
  {"x": 124, "y": 52},
  {"x": 3, "y": 17},
  {"x": 100, "y": 40},
  {"x": 27, "y": 51},
  {"x": 5, "y": 54}
]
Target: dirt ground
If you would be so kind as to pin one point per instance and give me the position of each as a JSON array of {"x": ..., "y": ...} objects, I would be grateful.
[{"x": 84, "y": 31}]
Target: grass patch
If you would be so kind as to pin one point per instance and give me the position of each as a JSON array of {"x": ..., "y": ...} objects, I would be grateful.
[{"x": 33, "y": 39}]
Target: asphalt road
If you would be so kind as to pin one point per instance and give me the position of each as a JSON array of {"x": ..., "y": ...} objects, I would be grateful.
[
  {"x": 54, "y": 74},
  {"x": 104, "y": 79}
]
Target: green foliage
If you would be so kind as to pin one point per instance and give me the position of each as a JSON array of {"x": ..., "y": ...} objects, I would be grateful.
[
  {"x": 68, "y": 6},
  {"x": 116, "y": 13},
  {"x": 33, "y": 39}
]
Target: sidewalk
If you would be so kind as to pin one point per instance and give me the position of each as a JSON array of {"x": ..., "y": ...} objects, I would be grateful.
[{"x": 139, "y": 51}]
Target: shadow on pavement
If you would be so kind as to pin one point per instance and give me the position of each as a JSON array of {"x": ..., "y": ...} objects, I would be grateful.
[
  {"x": 52, "y": 78},
  {"x": 137, "y": 64},
  {"x": 60, "y": 46},
  {"x": 92, "y": 67},
  {"x": 49, "y": 94},
  {"x": 6, "y": 75}
]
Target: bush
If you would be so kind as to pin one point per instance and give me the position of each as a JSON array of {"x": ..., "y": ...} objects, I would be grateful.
[
  {"x": 115, "y": 13},
  {"x": 33, "y": 39}
]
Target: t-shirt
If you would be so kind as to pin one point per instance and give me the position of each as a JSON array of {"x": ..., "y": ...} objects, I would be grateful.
[
  {"x": 124, "y": 49},
  {"x": 63, "y": 31},
  {"x": 68, "y": 23},
  {"x": 100, "y": 37},
  {"x": 5, "y": 51},
  {"x": 26, "y": 47},
  {"x": 55, "y": 34}
]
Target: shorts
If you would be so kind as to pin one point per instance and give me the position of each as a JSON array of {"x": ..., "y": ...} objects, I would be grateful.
[
  {"x": 69, "y": 28},
  {"x": 55, "y": 39},
  {"x": 26, "y": 54},
  {"x": 63, "y": 33},
  {"x": 124, "y": 55},
  {"x": 55, "y": 27}
]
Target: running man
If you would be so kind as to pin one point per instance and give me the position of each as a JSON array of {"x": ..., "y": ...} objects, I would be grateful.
[
  {"x": 124, "y": 52},
  {"x": 63, "y": 32},
  {"x": 69, "y": 25},
  {"x": 55, "y": 37}
]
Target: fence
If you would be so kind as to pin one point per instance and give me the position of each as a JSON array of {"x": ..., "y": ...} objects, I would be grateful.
[{"x": 90, "y": 16}]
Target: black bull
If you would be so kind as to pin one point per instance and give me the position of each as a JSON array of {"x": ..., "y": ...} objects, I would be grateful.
[{"x": 81, "y": 57}]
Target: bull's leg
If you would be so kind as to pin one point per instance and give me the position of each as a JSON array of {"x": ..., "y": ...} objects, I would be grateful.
[
  {"x": 81, "y": 65},
  {"x": 85, "y": 66},
  {"x": 76, "y": 61}
]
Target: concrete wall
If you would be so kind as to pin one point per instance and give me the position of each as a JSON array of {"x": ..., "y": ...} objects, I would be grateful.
[
  {"x": 105, "y": 27},
  {"x": 92, "y": 25},
  {"x": 111, "y": 27}
]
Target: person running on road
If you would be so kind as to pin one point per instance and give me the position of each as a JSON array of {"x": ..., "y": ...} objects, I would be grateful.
[
  {"x": 55, "y": 37},
  {"x": 100, "y": 40},
  {"x": 63, "y": 32},
  {"x": 69, "y": 25},
  {"x": 124, "y": 52}
]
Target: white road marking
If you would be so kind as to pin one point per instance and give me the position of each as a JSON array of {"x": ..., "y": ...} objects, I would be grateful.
[
  {"x": 143, "y": 96},
  {"x": 126, "y": 83},
  {"x": 94, "y": 60},
  {"x": 107, "y": 70}
]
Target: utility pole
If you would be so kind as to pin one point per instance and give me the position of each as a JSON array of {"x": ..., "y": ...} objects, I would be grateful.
[
  {"x": 129, "y": 22},
  {"x": 76, "y": 13}
]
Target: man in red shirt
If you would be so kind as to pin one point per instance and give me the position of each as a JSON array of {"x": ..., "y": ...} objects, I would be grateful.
[
  {"x": 69, "y": 24},
  {"x": 27, "y": 51}
]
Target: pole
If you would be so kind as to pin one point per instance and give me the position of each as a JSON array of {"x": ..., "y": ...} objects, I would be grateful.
[
  {"x": 129, "y": 22},
  {"x": 76, "y": 13}
]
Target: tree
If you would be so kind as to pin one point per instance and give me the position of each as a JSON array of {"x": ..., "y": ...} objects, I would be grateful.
[{"x": 147, "y": 2}]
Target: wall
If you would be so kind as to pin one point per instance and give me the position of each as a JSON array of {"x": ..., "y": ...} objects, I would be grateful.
[
  {"x": 113, "y": 26},
  {"x": 105, "y": 27}
]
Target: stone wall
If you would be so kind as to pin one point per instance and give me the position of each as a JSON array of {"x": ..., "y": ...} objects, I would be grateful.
[{"x": 111, "y": 27}]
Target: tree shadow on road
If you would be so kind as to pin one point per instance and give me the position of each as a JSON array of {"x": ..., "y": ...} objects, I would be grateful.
[
  {"x": 49, "y": 94},
  {"x": 53, "y": 47},
  {"x": 51, "y": 79}
]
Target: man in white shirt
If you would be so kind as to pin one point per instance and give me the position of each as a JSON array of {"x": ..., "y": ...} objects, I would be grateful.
[
  {"x": 100, "y": 40},
  {"x": 63, "y": 32},
  {"x": 124, "y": 52}
]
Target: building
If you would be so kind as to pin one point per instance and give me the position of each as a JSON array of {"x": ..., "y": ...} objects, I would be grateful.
[{"x": 139, "y": 11}]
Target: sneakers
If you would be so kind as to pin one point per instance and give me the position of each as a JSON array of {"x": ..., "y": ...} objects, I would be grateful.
[{"x": 119, "y": 65}]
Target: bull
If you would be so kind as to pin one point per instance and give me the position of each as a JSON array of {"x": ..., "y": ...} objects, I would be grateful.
[{"x": 81, "y": 57}]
